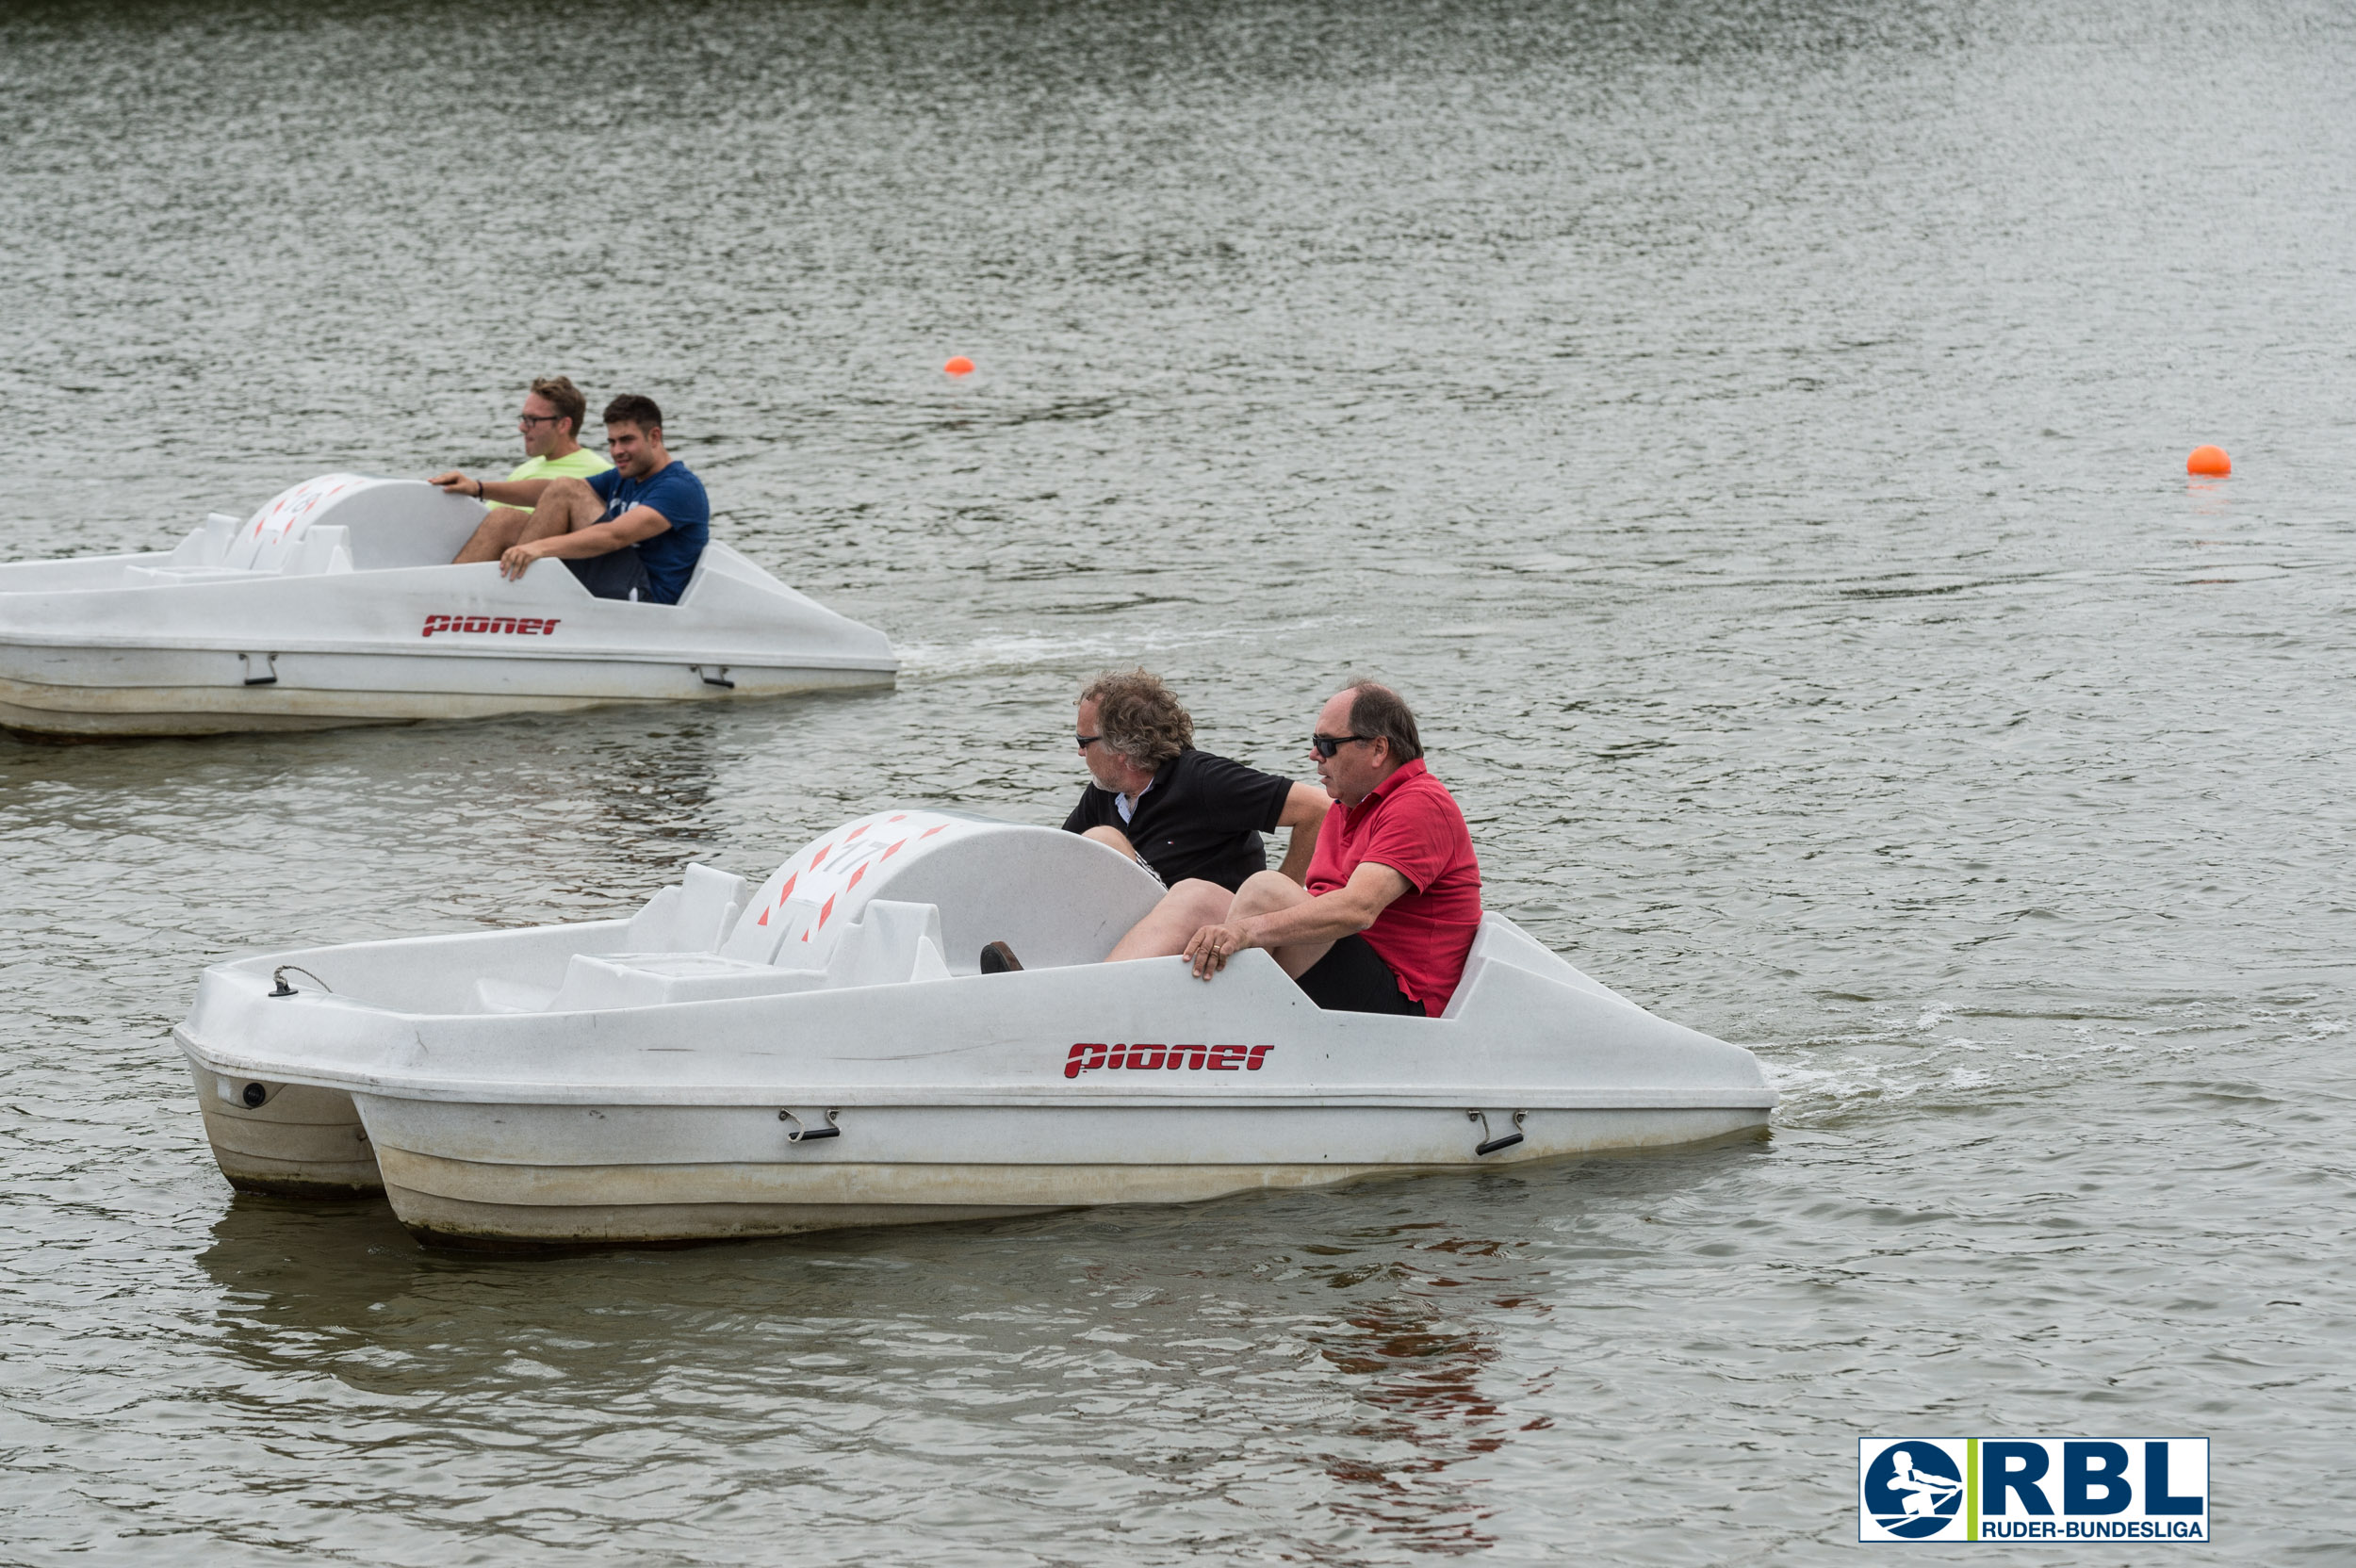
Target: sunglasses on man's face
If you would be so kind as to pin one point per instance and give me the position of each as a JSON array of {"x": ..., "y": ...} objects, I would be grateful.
[
  {"x": 528, "y": 420},
  {"x": 1087, "y": 741},
  {"x": 1326, "y": 746}
]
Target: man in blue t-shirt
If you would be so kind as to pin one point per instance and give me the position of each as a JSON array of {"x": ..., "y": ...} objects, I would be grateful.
[{"x": 634, "y": 531}]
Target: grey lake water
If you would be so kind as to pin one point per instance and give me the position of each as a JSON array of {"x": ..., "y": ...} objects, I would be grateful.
[{"x": 1753, "y": 435}]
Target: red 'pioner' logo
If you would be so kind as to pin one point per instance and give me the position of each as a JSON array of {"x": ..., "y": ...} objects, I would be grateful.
[
  {"x": 525, "y": 627},
  {"x": 1088, "y": 1055}
]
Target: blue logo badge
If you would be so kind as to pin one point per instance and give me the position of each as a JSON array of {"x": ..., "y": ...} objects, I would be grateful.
[
  {"x": 1913, "y": 1489},
  {"x": 2005, "y": 1489}
]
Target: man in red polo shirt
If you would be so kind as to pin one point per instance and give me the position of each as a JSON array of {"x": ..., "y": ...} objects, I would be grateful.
[{"x": 1393, "y": 899}]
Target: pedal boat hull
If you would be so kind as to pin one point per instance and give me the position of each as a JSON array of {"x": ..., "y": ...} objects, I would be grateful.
[
  {"x": 599, "y": 1113},
  {"x": 1148, "y": 1157}
]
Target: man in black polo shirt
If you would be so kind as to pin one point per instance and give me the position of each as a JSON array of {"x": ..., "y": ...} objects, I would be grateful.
[{"x": 1182, "y": 812}]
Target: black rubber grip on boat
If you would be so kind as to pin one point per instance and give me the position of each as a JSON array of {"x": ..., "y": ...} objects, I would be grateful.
[
  {"x": 804, "y": 1131},
  {"x": 1508, "y": 1141}
]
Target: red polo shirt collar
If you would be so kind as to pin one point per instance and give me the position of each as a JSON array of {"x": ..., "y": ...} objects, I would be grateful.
[{"x": 1399, "y": 774}]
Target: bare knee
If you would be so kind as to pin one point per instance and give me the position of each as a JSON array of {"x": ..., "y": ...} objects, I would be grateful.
[
  {"x": 1207, "y": 901},
  {"x": 1114, "y": 837},
  {"x": 566, "y": 504},
  {"x": 1187, "y": 908},
  {"x": 1264, "y": 892}
]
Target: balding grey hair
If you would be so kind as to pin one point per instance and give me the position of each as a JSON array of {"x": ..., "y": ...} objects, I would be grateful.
[{"x": 1379, "y": 713}]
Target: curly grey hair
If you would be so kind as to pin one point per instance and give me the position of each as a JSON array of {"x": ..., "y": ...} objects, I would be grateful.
[{"x": 1139, "y": 717}]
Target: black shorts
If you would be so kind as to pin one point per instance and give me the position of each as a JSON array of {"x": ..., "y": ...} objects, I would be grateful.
[
  {"x": 1352, "y": 978},
  {"x": 619, "y": 575}
]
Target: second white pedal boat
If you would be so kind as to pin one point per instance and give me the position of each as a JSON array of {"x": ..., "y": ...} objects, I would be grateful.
[
  {"x": 822, "y": 1051},
  {"x": 334, "y": 604}
]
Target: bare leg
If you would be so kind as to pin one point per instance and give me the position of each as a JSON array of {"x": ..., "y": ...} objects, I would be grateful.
[
  {"x": 565, "y": 505},
  {"x": 1263, "y": 894},
  {"x": 493, "y": 536},
  {"x": 1114, "y": 837},
  {"x": 1170, "y": 924}
]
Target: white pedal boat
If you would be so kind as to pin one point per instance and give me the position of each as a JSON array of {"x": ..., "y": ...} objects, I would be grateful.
[
  {"x": 334, "y": 604},
  {"x": 822, "y": 1051}
]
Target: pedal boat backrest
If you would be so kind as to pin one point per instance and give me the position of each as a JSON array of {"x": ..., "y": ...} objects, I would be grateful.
[
  {"x": 334, "y": 523},
  {"x": 890, "y": 899},
  {"x": 1055, "y": 897}
]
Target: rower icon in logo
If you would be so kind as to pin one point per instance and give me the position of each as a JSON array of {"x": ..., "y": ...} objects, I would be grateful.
[{"x": 1913, "y": 1489}]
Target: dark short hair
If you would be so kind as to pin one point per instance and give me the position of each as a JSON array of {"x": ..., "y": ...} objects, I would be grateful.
[
  {"x": 633, "y": 409},
  {"x": 1139, "y": 717},
  {"x": 1379, "y": 713},
  {"x": 564, "y": 398}
]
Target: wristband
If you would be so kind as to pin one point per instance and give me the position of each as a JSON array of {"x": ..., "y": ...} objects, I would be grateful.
[{"x": 478, "y": 489}]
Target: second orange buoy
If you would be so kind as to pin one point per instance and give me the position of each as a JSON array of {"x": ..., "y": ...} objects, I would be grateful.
[
  {"x": 2208, "y": 460},
  {"x": 961, "y": 366}
]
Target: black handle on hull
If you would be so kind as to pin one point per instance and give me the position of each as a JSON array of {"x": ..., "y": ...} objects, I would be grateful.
[
  {"x": 809, "y": 1128},
  {"x": 1489, "y": 1145}
]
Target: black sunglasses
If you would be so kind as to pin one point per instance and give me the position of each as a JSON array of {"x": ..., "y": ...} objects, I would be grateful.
[
  {"x": 1087, "y": 741},
  {"x": 1326, "y": 746}
]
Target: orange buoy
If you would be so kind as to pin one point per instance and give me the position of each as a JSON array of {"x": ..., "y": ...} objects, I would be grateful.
[
  {"x": 960, "y": 366},
  {"x": 2208, "y": 460}
]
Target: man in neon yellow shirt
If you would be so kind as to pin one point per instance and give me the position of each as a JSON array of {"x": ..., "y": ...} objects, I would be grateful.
[{"x": 550, "y": 422}]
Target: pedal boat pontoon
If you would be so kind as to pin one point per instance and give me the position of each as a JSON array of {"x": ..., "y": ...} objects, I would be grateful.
[
  {"x": 822, "y": 1051},
  {"x": 334, "y": 604}
]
